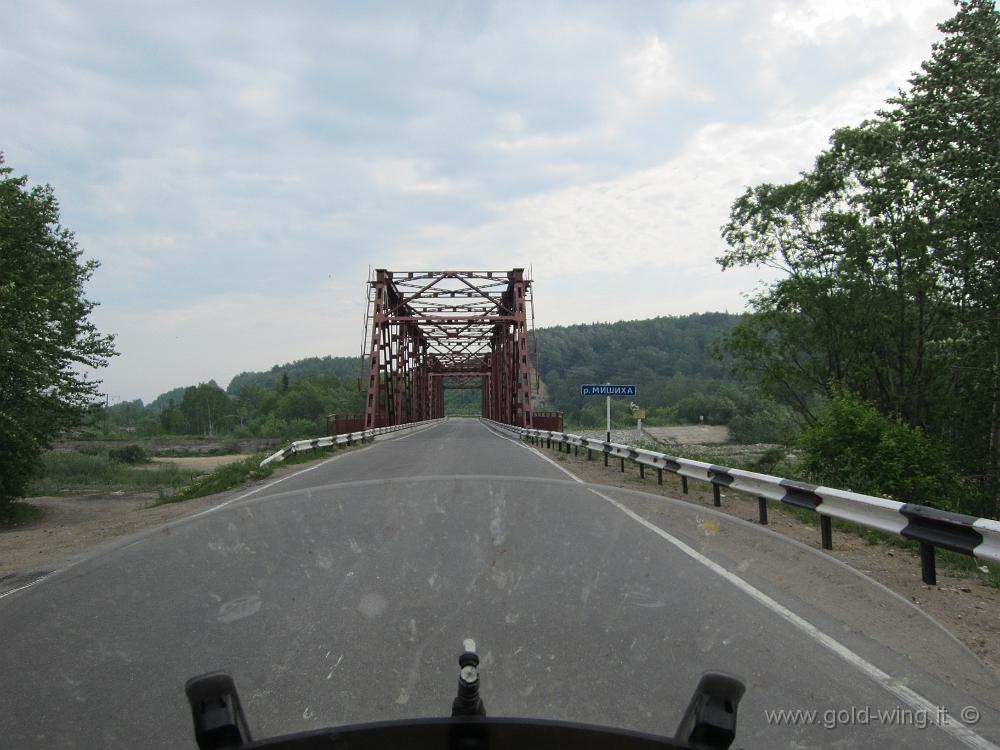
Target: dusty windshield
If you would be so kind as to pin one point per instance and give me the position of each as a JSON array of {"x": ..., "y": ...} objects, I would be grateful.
[{"x": 616, "y": 343}]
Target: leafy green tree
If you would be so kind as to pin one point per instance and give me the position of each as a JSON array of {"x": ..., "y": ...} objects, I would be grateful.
[
  {"x": 148, "y": 425},
  {"x": 852, "y": 445},
  {"x": 204, "y": 407},
  {"x": 761, "y": 419},
  {"x": 891, "y": 261},
  {"x": 46, "y": 336},
  {"x": 712, "y": 407},
  {"x": 950, "y": 123},
  {"x": 859, "y": 298},
  {"x": 172, "y": 421}
]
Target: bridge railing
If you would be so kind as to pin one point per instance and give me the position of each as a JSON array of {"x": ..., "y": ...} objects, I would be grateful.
[
  {"x": 932, "y": 528},
  {"x": 347, "y": 438}
]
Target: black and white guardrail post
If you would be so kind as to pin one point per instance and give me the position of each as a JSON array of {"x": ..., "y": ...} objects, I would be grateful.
[{"x": 931, "y": 528}]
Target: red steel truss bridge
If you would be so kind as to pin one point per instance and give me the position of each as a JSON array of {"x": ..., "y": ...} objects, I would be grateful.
[{"x": 426, "y": 331}]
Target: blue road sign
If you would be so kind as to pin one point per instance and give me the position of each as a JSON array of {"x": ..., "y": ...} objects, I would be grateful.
[{"x": 607, "y": 390}]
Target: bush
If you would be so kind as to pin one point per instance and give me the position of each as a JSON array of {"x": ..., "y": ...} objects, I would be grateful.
[
  {"x": 853, "y": 446},
  {"x": 130, "y": 454}
]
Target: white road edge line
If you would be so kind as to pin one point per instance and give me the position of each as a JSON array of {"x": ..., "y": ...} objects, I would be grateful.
[
  {"x": 214, "y": 508},
  {"x": 267, "y": 486},
  {"x": 935, "y": 714},
  {"x": 193, "y": 516},
  {"x": 27, "y": 585}
]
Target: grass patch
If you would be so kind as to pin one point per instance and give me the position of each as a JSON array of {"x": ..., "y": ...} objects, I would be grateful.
[
  {"x": 969, "y": 567},
  {"x": 235, "y": 474},
  {"x": 222, "y": 479},
  {"x": 19, "y": 513},
  {"x": 951, "y": 563},
  {"x": 71, "y": 473},
  {"x": 304, "y": 457}
]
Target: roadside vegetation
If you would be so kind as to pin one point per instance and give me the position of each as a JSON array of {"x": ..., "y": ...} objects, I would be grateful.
[
  {"x": 234, "y": 475},
  {"x": 105, "y": 472},
  {"x": 221, "y": 479}
]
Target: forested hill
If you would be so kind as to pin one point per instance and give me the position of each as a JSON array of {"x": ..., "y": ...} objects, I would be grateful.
[
  {"x": 626, "y": 351},
  {"x": 667, "y": 357},
  {"x": 345, "y": 368}
]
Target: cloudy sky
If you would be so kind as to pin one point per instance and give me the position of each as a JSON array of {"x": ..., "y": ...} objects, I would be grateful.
[{"x": 237, "y": 167}]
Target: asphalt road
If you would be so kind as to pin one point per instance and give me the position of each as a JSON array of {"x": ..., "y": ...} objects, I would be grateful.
[{"x": 343, "y": 594}]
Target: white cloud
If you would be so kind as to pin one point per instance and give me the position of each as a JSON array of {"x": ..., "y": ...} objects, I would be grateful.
[
  {"x": 407, "y": 175},
  {"x": 217, "y": 170},
  {"x": 653, "y": 74},
  {"x": 812, "y": 21}
]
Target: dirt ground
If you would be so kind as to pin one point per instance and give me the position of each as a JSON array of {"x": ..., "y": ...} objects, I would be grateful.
[
  {"x": 698, "y": 433},
  {"x": 967, "y": 608},
  {"x": 198, "y": 463}
]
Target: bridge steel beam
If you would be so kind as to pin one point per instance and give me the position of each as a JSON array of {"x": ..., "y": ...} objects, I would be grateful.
[{"x": 426, "y": 331}]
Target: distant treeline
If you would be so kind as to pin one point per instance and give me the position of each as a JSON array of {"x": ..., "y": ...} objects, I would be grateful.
[
  {"x": 287, "y": 401},
  {"x": 670, "y": 358}
]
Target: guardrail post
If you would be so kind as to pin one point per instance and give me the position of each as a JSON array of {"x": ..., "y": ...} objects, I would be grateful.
[
  {"x": 642, "y": 471},
  {"x": 684, "y": 484},
  {"x": 623, "y": 465},
  {"x": 716, "y": 496},
  {"x": 576, "y": 451},
  {"x": 928, "y": 566},
  {"x": 762, "y": 510},
  {"x": 659, "y": 476},
  {"x": 605, "y": 458},
  {"x": 826, "y": 531},
  {"x": 588, "y": 454}
]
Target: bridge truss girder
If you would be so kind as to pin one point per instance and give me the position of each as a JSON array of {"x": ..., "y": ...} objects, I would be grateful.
[{"x": 428, "y": 330}]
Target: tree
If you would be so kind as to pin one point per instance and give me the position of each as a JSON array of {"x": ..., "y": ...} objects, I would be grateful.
[
  {"x": 860, "y": 300},
  {"x": 203, "y": 407},
  {"x": 890, "y": 249},
  {"x": 950, "y": 121},
  {"x": 46, "y": 337}
]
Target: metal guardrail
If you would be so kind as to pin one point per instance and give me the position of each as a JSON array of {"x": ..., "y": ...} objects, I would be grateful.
[
  {"x": 347, "y": 438},
  {"x": 932, "y": 528}
]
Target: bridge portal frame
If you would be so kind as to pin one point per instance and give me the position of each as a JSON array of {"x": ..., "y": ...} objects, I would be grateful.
[{"x": 426, "y": 327}]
